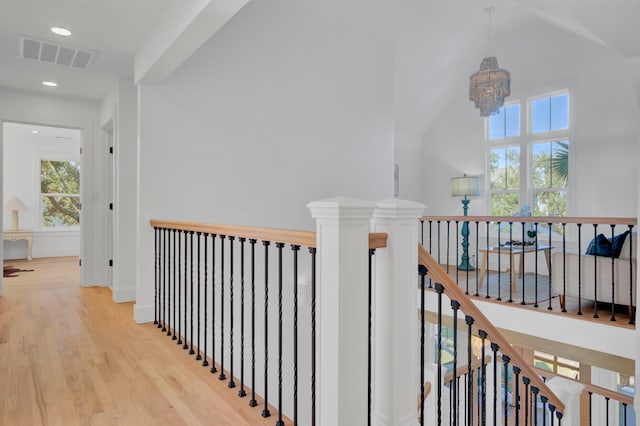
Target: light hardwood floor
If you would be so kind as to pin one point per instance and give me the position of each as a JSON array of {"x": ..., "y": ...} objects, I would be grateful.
[{"x": 71, "y": 356}]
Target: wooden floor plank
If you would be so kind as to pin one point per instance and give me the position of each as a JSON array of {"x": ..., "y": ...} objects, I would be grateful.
[{"x": 71, "y": 356}]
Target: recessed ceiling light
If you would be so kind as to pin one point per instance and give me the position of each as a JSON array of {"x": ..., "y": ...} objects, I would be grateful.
[
  {"x": 35, "y": 132},
  {"x": 61, "y": 31},
  {"x": 49, "y": 83}
]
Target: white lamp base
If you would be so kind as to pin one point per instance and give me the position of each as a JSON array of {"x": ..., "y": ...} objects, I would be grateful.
[{"x": 14, "y": 220}]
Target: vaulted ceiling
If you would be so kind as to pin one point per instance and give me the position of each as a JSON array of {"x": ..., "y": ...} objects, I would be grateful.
[{"x": 124, "y": 32}]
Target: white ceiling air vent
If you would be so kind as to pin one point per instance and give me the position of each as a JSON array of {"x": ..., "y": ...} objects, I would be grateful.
[{"x": 52, "y": 53}]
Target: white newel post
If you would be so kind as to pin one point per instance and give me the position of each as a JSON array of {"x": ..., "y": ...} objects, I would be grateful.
[
  {"x": 342, "y": 226},
  {"x": 395, "y": 314},
  {"x": 568, "y": 391}
]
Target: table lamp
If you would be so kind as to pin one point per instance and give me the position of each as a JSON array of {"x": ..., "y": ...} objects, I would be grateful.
[
  {"x": 463, "y": 187},
  {"x": 14, "y": 205}
]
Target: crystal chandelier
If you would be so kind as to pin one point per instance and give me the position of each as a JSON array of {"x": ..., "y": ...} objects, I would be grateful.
[{"x": 490, "y": 85}]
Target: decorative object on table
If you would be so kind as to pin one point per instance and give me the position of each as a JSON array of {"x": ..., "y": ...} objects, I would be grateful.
[
  {"x": 14, "y": 205},
  {"x": 465, "y": 186},
  {"x": 490, "y": 85},
  {"x": 529, "y": 227}
]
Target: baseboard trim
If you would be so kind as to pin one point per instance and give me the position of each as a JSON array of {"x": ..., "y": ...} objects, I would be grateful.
[
  {"x": 124, "y": 295},
  {"x": 143, "y": 313}
]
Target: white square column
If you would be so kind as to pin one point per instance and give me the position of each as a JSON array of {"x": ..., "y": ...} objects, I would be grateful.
[
  {"x": 342, "y": 226},
  {"x": 395, "y": 314}
]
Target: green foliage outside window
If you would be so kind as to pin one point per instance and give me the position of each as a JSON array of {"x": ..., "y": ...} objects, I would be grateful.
[{"x": 60, "y": 192}]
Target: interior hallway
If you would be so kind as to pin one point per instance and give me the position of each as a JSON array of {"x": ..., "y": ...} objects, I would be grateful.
[{"x": 71, "y": 356}]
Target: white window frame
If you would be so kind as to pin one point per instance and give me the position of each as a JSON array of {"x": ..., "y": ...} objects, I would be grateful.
[
  {"x": 526, "y": 141},
  {"x": 42, "y": 195}
]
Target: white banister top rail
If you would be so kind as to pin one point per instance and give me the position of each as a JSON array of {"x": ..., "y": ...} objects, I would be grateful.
[
  {"x": 439, "y": 275},
  {"x": 288, "y": 236}
]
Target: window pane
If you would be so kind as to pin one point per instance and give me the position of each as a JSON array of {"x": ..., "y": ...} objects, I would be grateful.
[
  {"x": 550, "y": 203},
  {"x": 59, "y": 177},
  {"x": 513, "y": 167},
  {"x": 497, "y": 168},
  {"x": 559, "y": 164},
  {"x": 496, "y": 125},
  {"x": 560, "y": 112},
  {"x": 540, "y": 115},
  {"x": 60, "y": 210},
  {"x": 513, "y": 120},
  {"x": 541, "y": 165},
  {"x": 504, "y": 204}
]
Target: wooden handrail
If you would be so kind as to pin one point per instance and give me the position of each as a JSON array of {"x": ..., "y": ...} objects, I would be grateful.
[
  {"x": 438, "y": 275},
  {"x": 588, "y": 387},
  {"x": 534, "y": 219},
  {"x": 287, "y": 236}
]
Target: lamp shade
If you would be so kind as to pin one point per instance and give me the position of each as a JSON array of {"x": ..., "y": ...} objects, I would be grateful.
[
  {"x": 15, "y": 204},
  {"x": 466, "y": 185}
]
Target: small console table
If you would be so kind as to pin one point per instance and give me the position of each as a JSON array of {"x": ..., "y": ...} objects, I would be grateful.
[
  {"x": 513, "y": 251},
  {"x": 20, "y": 234}
]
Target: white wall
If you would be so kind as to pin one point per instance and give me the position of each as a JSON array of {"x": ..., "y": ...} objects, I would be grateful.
[
  {"x": 23, "y": 151},
  {"x": 120, "y": 109},
  {"x": 26, "y": 107},
  {"x": 604, "y": 144},
  {"x": 277, "y": 110}
]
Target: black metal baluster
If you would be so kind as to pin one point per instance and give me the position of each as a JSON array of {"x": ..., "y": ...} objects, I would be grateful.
[
  {"x": 458, "y": 254},
  {"x": 559, "y": 416},
  {"x": 499, "y": 270},
  {"x": 483, "y": 382},
  {"x": 455, "y": 305},
  {"x": 448, "y": 243},
  {"x": 486, "y": 271},
  {"x": 296, "y": 249},
  {"x": 606, "y": 398},
  {"x": 186, "y": 253},
  {"x": 579, "y": 269},
  {"x": 613, "y": 286},
  {"x": 549, "y": 265},
  {"x": 469, "y": 321},
  {"x": 595, "y": 272},
  {"x": 265, "y": 410},
  {"x": 526, "y": 382},
  {"x": 534, "y": 408},
  {"x": 313, "y": 250},
  {"x": 516, "y": 401},
  {"x": 164, "y": 281},
  {"x": 494, "y": 349},
  {"x": 191, "y": 351},
  {"x": 522, "y": 266},
  {"x": 166, "y": 273},
  {"x": 564, "y": 267},
  {"x": 179, "y": 342},
  {"x": 477, "y": 256},
  {"x": 512, "y": 263},
  {"x": 222, "y": 376},
  {"x": 198, "y": 356},
  {"x": 253, "y": 402},
  {"x": 430, "y": 250},
  {"x": 439, "y": 290},
  {"x": 590, "y": 407},
  {"x": 169, "y": 273},
  {"x": 505, "y": 362},
  {"x": 544, "y": 400},
  {"x": 174, "y": 286},
  {"x": 213, "y": 368},
  {"x": 624, "y": 413},
  {"x": 536, "y": 280},
  {"x": 279, "y": 247},
  {"x": 439, "y": 243},
  {"x": 632, "y": 319},
  {"x": 241, "y": 392},
  {"x": 232, "y": 383},
  {"x": 369, "y": 347},
  {"x": 552, "y": 408},
  {"x": 156, "y": 273},
  {"x": 205, "y": 363},
  {"x": 423, "y": 273}
]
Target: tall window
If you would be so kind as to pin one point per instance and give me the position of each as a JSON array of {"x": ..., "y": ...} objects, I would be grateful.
[
  {"x": 59, "y": 193},
  {"x": 529, "y": 165}
]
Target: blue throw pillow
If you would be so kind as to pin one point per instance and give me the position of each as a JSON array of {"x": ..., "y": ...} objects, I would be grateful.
[{"x": 603, "y": 246}]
